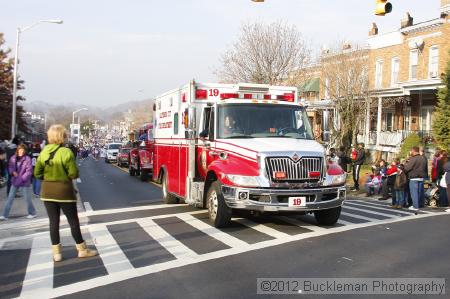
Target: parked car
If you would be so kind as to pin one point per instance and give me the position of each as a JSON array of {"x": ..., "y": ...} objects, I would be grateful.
[{"x": 123, "y": 158}]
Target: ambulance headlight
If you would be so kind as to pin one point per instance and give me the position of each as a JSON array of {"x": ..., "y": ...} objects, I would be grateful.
[
  {"x": 335, "y": 180},
  {"x": 243, "y": 180}
]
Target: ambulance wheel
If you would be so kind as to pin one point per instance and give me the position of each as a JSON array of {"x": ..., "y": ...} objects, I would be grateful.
[
  {"x": 168, "y": 198},
  {"x": 327, "y": 217},
  {"x": 219, "y": 212}
]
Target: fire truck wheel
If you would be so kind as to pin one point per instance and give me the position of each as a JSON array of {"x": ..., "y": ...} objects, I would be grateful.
[
  {"x": 328, "y": 217},
  {"x": 143, "y": 176},
  {"x": 168, "y": 198},
  {"x": 218, "y": 210},
  {"x": 131, "y": 170}
]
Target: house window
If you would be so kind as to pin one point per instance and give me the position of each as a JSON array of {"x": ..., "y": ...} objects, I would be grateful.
[
  {"x": 407, "y": 120},
  {"x": 395, "y": 69},
  {"x": 433, "y": 64},
  {"x": 413, "y": 62},
  {"x": 425, "y": 118},
  {"x": 379, "y": 74},
  {"x": 389, "y": 121}
]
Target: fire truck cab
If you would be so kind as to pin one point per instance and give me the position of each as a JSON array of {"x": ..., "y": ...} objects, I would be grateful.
[
  {"x": 141, "y": 154},
  {"x": 243, "y": 146}
]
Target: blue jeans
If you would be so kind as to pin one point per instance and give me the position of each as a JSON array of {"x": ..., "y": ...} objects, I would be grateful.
[
  {"x": 399, "y": 198},
  {"x": 36, "y": 186},
  {"x": 12, "y": 195},
  {"x": 443, "y": 200},
  {"x": 417, "y": 193}
]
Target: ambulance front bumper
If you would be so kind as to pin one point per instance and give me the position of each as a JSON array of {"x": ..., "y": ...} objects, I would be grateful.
[{"x": 273, "y": 200}]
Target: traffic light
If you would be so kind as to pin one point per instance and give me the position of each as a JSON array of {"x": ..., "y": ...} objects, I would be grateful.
[{"x": 382, "y": 7}]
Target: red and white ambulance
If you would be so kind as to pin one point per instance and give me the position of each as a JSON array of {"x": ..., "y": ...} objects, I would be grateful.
[{"x": 243, "y": 146}]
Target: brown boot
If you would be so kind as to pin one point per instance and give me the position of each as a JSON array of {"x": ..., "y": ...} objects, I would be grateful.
[
  {"x": 83, "y": 251},
  {"x": 56, "y": 249}
]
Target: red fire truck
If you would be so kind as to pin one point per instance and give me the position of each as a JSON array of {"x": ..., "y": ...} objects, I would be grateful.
[
  {"x": 243, "y": 146},
  {"x": 141, "y": 155}
]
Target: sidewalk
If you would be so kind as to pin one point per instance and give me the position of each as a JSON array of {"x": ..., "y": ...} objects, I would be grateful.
[{"x": 17, "y": 224}]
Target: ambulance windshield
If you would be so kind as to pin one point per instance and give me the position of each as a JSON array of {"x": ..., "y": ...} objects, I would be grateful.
[{"x": 263, "y": 121}]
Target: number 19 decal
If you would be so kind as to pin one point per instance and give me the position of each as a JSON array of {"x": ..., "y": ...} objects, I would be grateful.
[{"x": 213, "y": 92}]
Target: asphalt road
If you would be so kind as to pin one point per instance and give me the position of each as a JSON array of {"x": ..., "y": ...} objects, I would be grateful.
[
  {"x": 416, "y": 248},
  {"x": 105, "y": 186}
]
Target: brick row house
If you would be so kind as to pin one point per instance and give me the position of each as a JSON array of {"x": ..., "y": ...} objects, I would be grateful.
[{"x": 405, "y": 68}]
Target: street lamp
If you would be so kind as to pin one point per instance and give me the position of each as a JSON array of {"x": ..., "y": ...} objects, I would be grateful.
[
  {"x": 76, "y": 111},
  {"x": 16, "y": 60}
]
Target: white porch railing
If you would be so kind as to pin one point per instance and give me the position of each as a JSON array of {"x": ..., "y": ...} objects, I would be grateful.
[{"x": 392, "y": 138}]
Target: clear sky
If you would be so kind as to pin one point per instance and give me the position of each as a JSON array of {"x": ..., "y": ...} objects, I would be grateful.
[{"x": 108, "y": 51}]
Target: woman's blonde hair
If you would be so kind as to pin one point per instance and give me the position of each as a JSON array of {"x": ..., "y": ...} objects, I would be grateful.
[{"x": 56, "y": 134}]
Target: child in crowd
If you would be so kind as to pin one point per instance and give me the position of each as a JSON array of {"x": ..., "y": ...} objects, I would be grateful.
[
  {"x": 400, "y": 188},
  {"x": 373, "y": 184}
]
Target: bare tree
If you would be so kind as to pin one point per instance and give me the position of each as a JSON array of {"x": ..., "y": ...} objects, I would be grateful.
[
  {"x": 344, "y": 77},
  {"x": 264, "y": 53}
]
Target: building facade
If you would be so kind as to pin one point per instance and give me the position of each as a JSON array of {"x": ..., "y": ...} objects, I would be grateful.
[{"x": 405, "y": 68}]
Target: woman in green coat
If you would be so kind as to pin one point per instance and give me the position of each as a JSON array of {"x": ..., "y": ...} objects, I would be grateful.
[{"x": 57, "y": 167}]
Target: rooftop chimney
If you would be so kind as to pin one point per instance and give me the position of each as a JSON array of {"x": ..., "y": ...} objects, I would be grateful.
[
  {"x": 374, "y": 29},
  {"x": 406, "y": 21}
]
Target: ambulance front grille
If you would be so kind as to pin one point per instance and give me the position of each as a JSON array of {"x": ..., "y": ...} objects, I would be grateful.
[{"x": 295, "y": 171}]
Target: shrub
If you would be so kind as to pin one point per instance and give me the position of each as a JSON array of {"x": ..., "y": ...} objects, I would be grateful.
[{"x": 409, "y": 142}]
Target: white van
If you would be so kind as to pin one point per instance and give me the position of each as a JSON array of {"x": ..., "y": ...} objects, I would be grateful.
[{"x": 112, "y": 150}]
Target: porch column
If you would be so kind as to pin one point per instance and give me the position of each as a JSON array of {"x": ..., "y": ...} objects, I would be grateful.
[
  {"x": 367, "y": 129},
  {"x": 380, "y": 102}
]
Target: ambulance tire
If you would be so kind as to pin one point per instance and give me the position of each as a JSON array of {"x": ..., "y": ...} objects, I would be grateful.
[
  {"x": 168, "y": 198},
  {"x": 219, "y": 212},
  {"x": 328, "y": 216}
]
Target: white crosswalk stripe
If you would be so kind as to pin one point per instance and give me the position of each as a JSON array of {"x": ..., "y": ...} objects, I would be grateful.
[
  {"x": 262, "y": 228},
  {"x": 115, "y": 255},
  {"x": 175, "y": 247},
  {"x": 378, "y": 208},
  {"x": 212, "y": 231},
  {"x": 39, "y": 275},
  {"x": 371, "y": 212}
]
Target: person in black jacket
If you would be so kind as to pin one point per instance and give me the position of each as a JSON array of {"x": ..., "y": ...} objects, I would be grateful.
[
  {"x": 416, "y": 170},
  {"x": 343, "y": 158},
  {"x": 440, "y": 172},
  {"x": 360, "y": 157}
]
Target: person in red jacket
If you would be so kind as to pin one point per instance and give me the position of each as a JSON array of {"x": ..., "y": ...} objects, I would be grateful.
[{"x": 389, "y": 181}]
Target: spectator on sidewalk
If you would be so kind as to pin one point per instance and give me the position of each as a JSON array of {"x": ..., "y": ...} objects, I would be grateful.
[
  {"x": 373, "y": 184},
  {"x": 344, "y": 160},
  {"x": 416, "y": 170},
  {"x": 21, "y": 171},
  {"x": 440, "y": 172},
  {"x": 36, "y": 182},
  {"x": 57, "y": 167},
  {"x": 400, "y": 188},
  {"x": 10, "y": 151},
  {"x": 357, "y": 163},
  {"x": 332, "y": 155},
  {"x": 3, "y": 166},
  {"x": 447, "y": 180},
  {"x": 434, "y": 165},
  {"x": 387, "y": 188}
]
